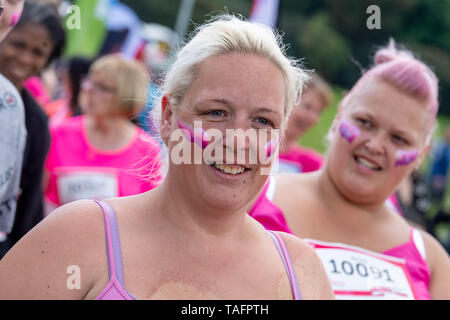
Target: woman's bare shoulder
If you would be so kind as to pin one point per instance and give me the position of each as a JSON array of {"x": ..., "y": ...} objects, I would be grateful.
[
  {"x": 294, "y": 183},
  {"x": 311, "y": 275},
  {"x": 70, "y": 240},
  {"x": 439, "y": 263}
]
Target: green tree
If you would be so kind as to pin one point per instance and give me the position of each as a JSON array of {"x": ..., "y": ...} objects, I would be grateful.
[{"x": 324, "y": 48}]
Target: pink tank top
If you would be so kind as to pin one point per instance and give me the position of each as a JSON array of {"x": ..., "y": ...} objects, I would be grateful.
[
  {"x": 268, "y": 213},
  {"x": 414, "y": 254},
  {"x": 115, "y": 289},
  {"x": 356, "y": 273},
  {"x": 413, "y": 251}
]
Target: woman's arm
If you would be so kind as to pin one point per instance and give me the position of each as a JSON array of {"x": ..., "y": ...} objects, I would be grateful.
[
  {"x": 439, "y": 264},
  {"x": 313, "y": 280},
  {"x": 60, "y": 258}
]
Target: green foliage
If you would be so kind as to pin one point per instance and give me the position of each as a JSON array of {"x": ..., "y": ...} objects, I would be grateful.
[
  {"x": 328, "y": 54},
  {"x": 332, "y": 35}
]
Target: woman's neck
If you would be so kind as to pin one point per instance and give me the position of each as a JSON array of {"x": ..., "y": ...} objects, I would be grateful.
[
  {"x": 343, "y": 209},
  {"x": 190, "y": 215},
  {"x": 110, "y": 133}
]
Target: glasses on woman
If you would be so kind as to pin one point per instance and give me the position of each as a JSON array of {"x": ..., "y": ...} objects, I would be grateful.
[{"x": 97, "y": 86}]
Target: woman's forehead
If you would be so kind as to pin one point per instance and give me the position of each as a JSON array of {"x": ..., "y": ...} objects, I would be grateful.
[
  {"x": 105, "y": 75},
  {"x": 239, "y": 78}
]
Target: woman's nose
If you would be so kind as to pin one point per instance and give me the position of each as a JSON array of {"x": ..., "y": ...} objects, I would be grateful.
[{"x": 376, "y": 143}]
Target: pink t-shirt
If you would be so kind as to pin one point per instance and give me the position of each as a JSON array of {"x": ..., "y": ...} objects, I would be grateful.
[
  {"x": 413, "y": 251},
  {"x": 80, "y": 171},
  {"x": 299, "y": 159},
  {"x": 268, "y": 213},
  {"x": 36, "y": 87}
]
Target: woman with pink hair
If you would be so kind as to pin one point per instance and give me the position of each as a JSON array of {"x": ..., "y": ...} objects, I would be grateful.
[{"x": 380, "y": 135}]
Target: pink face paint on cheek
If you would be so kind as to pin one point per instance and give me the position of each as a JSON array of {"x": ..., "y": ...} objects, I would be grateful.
[
  {"x": 271, "y": 146},
  {"x": 403, "y": 158},
  {"x": 15, "y": 18},
  {"x": 348, "y": 131},
  {"x": 196, "y": 135}
]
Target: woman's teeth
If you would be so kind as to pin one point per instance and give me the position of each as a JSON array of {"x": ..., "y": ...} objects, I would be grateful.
[
  {"x": 367, "y": 164},
  {"x": 228, "y": 169}
]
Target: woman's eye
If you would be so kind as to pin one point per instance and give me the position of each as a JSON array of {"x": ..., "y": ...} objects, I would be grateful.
[
  {"x": 216, "y": 113},
  {"x": 399, "y": 139},
  {"x": 18, "y": 44},
  {"x": 263, "y": 121},
  {"x": 364, "y": 123}
]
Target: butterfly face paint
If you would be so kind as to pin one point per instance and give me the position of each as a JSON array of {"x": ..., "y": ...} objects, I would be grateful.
[
  {"x": 194, "y": 135},
  {"x": 348, "y": 131},
  {"x": 403, "y": 158}
]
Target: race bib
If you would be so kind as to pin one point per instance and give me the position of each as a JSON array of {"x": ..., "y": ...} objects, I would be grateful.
[
  {"x": 77, "y": 184},
  {"x": 357, "y": 274}
]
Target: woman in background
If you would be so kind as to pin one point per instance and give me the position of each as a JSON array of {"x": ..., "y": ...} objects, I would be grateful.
[
  {"x": 380, "y": 135},
  {"x": 293, "y": 157},
  {"x": 12, "y": 133},
  {"x": 37, "y": 39},
  {"x": 69, "y": 105},
  {"x": 101, "y": 153}
]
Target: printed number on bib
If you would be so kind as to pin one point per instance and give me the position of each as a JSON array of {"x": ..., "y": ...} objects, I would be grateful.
[
  {"x": 89, "y": 184},
  {"x": 356, "y": 273}
]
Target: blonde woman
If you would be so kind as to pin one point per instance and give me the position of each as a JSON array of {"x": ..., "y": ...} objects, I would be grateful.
[
  {"x": 101, "y": 153},
  {"x": 190, "y": 238}
]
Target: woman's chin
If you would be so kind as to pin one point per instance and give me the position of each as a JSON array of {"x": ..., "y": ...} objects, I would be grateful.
[{"x": 224, "y": 199}]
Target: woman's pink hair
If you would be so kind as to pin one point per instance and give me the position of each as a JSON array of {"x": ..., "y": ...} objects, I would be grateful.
[{"x": 405, "y": 72}]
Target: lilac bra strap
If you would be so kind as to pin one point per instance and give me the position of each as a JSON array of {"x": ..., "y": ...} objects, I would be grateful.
[
  {"x": 112, "y": 242},
  {"x": 281, "y": 247}
]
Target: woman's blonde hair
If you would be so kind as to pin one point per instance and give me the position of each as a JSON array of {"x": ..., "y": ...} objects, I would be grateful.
[
  {"x": 319, "y": 85},
  {"x": 231, "y": 34},
  {"x": 131, "y": 79}
]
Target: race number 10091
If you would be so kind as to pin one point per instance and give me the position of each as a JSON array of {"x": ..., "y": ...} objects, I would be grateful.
[{"x": 350, "y": 269}]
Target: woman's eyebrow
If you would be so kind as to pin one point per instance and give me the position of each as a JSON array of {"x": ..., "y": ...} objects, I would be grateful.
[{"x": 266, "y": 110}]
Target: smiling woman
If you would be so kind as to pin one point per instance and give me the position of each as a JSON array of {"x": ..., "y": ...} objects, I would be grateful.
[
  {"x": 37, "y": 39},
  {"x": 190, "y": 238},
  {"x": 12, "y": 132},
  {"x": 380, "y": 134}
]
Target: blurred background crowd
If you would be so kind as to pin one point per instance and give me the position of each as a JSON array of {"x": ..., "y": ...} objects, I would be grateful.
[{"x": 76, "y": 118}]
